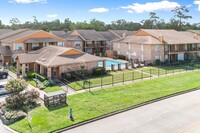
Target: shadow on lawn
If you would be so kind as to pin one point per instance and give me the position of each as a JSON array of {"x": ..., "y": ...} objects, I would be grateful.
[{"x": 58, "y": 107}]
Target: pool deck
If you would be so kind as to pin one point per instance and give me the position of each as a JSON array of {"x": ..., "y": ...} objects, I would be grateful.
[{"x": 123, "y": 61}]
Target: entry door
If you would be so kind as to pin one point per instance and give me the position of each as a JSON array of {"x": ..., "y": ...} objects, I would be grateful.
[{"x": 54, "y": 72}]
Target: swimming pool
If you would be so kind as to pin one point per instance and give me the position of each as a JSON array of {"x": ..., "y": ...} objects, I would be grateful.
[{"x": 109, "y": 62}]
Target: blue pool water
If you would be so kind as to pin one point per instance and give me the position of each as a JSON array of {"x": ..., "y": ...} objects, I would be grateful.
[{"x": 110, "y": 62}]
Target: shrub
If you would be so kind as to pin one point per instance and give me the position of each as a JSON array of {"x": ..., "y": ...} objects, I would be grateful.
[
  {"x": 40, "y": 77},
  {"x": 31, "y": 74},
  {"x": 23, "y": 99},
  {"x": 157, "y": 62},
  {"x": 67, "y": 76},
  {"x": 14, "y": 115},
  {"x": 123, "y": 57},
  {"x": 48, "y": 83},
  {"x": 16, "y": 85},
  {"x": 99, "y": 71}
]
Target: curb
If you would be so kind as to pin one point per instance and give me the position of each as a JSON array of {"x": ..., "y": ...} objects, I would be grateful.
[{"x": 124, "y": 110}]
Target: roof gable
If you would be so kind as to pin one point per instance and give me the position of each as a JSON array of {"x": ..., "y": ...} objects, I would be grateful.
[
  {"x": 72, "y": 52},
  {"x": 35, "y": 34}
]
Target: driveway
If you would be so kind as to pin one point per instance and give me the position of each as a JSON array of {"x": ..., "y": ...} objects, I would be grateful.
[{"x": 180, "y": 114}]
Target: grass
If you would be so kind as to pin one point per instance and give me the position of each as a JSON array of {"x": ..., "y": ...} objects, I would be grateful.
[
  {"x": 100, "y": 102},
  {"x": 167, "y": 70},
  {"x": 32, "y": 82},
  {"x": 47, "y": 89},
  {"x": 52, "y": 89},
  {"x": 111, "y": 78}
]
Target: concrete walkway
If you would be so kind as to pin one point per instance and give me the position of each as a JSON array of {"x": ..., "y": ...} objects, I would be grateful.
[{"x": 178, "y": 114}]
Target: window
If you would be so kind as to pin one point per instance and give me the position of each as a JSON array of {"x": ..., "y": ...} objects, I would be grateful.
[
  {"x": 166, "y": 57},
  {"x": 118, "y": 45},
  {"x": 186, "y": 47},
  {"x": 166, "y": 48},
  {"x": 77, "y": 44},
  {"x": 60, "y": 44},
  {"x": 18, "y": 46},
  {"x": 142, "y": 47},
  {"x": 157, "y": 48},
  {"x": 35, "y": 45},
  {"x": 176, "y": 47}
]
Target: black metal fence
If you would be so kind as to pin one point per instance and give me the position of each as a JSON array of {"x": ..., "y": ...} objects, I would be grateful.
[{"x": 132, "y": 75}]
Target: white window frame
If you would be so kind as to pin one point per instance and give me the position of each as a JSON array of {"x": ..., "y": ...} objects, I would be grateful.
[
  {"x": 118, "y": 45},
  {"x": 60, "y": 44},
  {"x": 157, "y": 48},
  {"x": 142, "y": 47},
  {"x": 186, "y": 46},
  {"x": 18, "y": 46}
]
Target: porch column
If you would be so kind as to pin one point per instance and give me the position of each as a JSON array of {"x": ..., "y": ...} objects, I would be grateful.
[
  {"x": 41, "y": 70},
  {"x": 104, "y": 64},
  {"x": 23, "y": 70},
  {"x": 35, "y": 67},
  {"x": 59, "y": 72},
  {"x": 18, "y": 68},
  {"x": 49, "y": 72}
]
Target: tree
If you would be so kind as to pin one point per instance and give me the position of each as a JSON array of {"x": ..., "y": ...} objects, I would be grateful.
[
  {"x": 179, "y": 16},
  {"x": 16, "y": 86},
  {"x": 20, "y": 98},
  {"x": 14, "y": 23},
  {"x": 152, "y": 21}
]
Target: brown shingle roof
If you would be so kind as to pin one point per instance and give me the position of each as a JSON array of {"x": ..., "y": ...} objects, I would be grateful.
[
  {"x": 171, "y": 36},
  {"x": 120, "y": 33},
  {"x": 90, "y": 35},
  {"x": 70, "y": 37},
  {"x": 5, "y": 51},
  {"x": 5, "y": 31},
  {"x": 195, "y": 31},
  {"x": 140, "y": 40},
  {"x": 19, "y": 35},
  {"x": 12, "y": 33},
  {"x": 109, "y": 36},
  {"x": 57, "y": 33},
  {"x": 53, "y": 56}
]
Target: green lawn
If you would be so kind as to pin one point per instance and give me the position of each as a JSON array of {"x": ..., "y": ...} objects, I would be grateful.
[
  {"x": 48, "y": 89},
  {"x": 111, "y": 77},
  {"x": 168, "y": 69},
  {"x": 100, "y": 102},
  {"x": 52, "y": 89}
]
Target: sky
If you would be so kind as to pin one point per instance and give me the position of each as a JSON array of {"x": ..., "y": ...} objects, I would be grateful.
[{"x": 103, "y": 10}]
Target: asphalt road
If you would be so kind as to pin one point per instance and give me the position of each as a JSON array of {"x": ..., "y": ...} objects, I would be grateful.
[{"x": 180, "y": 114}]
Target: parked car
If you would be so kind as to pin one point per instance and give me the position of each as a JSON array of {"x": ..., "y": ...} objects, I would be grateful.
[
  {"x": 2, "y": 90},
  {"x": 3, "y": 74}
]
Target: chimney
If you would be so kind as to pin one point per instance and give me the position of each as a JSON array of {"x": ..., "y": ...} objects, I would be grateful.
[{"x": 161, "y": 38}]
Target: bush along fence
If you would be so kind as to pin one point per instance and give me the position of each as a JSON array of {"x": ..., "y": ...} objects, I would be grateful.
[{"x": 138, "y": 74}]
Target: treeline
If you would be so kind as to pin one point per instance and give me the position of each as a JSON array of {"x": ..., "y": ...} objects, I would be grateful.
[{"x": 177, "y": 22}]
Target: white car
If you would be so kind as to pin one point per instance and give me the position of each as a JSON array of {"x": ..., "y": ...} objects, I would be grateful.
[{"x": 2, "y": 90}]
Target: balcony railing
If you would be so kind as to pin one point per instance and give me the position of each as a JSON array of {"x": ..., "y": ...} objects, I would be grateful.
[{"x": 189, "y": 49}]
